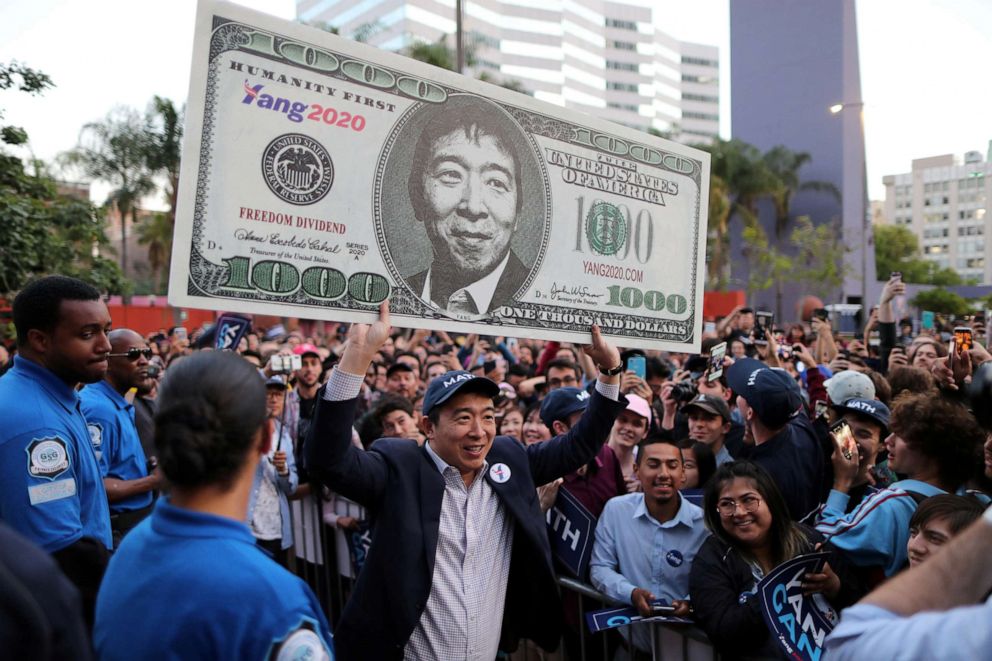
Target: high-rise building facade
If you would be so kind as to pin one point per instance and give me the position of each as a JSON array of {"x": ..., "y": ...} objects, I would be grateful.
[
  {"x": 792, "y": 61},
  {"x": 944, "y": 201},
  {"x": 603, "y": 58}
]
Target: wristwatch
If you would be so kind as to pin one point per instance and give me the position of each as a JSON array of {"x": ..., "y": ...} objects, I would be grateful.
[{"x": 613, "y": 371}]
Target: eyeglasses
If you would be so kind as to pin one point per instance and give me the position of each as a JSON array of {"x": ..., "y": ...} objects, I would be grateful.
[
  {"x": 133, "y": 354},
  {"x": 567, "y": 380},
  {"x": 727, "y": 507}
]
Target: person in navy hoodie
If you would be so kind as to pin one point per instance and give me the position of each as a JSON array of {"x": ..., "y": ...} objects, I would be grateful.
[{"x": 189, "y": 581}]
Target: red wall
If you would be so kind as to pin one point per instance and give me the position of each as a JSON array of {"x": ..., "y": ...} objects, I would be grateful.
[
  {"x": 720, "y": 303},
  {"x": 148, "y": 319}
]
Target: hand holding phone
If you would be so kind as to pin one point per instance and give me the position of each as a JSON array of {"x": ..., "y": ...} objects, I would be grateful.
[
  {"x": 638, "y": 365},
  {"x": 717, "y": 354},
  {"x": 963, "y": 340},
  {"x": 843, "y": 437}
]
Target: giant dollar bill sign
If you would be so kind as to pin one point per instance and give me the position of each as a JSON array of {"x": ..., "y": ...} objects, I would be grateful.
[{"x": 322, "y": 176}]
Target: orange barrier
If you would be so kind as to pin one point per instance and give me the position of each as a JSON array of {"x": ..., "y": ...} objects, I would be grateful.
[
  {"x": 719, "y": 303},
  {"x": 147, "y": 319}
]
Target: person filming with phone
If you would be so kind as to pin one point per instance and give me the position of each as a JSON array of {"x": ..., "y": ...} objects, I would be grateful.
[{"x": 935, "y": 443}]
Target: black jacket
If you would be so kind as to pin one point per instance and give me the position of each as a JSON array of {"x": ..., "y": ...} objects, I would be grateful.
[
  {"x": 794, "y": 459},
  {"x": 402, "y": 488},
  {"x": 514, "y": 276},
  {"x": 718, "y": 582}
]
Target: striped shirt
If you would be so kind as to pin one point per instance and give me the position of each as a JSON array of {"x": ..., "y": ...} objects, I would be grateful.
[{"x": 464, "y": 612}]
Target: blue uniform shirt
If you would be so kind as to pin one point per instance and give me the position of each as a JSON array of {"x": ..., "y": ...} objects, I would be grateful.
[
  {"x": 189, "y": 585},
  {"x": 51, "y": 490},
  {"x": 110, "y": 420}
]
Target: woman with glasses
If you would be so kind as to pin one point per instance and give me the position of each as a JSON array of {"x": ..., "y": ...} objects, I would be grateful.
[
  {"x": 190, "y": 582},
  {"x": 751, "y": 535}
]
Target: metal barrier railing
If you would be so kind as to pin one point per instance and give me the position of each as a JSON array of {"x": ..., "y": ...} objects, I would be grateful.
[{"x": 316, "y": 557}]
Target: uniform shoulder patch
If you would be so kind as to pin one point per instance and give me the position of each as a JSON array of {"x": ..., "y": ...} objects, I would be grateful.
[
  {"x": 301, "y": 644},
  {"x": 96, "y": 437},
  {"x": 47, "y": 457}
]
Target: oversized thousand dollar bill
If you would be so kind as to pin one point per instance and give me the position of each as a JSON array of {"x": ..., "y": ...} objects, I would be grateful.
[{"x": 321, "y": 176}]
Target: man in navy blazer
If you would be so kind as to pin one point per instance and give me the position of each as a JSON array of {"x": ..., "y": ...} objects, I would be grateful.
[{"x": 458, "y": 566}]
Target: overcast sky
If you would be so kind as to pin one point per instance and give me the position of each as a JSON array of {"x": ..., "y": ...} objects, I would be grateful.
[{"x": 924, "y": 67}]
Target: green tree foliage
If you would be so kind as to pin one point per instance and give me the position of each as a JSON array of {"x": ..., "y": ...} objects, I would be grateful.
[
  {"x": 767, "y": 265},
  {"x": 897, "y": 249},
  {"x": 819, "y": 259},
  {"x": 164, "y": 147},
  {"x": 740, "y": 177},
  {"x": 439, "y": 54},
  {"x": 42, "y": 231},
  {"x": 116, "y": 150},
  {"x": 942, "y": 301},
  {"x": 784, "y": 164},
  {"x": 156, "y": 233}
]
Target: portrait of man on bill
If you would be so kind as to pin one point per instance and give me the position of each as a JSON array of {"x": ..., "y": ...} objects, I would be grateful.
[{"x": 465, "y": 188}]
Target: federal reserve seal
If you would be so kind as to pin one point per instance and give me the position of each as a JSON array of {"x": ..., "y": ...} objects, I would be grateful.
[
  {"x": 606, "y": 228},
  {"x": 297, "y": 169}
]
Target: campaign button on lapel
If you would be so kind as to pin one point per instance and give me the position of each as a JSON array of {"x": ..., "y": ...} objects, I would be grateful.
[{"x": 499, "y": 473}]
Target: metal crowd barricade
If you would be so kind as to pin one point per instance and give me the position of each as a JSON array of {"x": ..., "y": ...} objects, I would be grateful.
[
  {"x": 314, "y": 558},
  {"x": 668, "y": 642}
]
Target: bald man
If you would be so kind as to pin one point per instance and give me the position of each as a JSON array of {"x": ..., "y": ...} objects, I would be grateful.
[{"x": 110, "y": 421}]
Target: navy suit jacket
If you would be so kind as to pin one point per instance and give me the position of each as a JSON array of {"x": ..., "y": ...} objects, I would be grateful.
[{"x": 402, "y": 488}]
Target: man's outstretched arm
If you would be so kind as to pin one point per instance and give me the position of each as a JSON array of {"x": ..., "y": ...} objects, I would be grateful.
[{"x": 330, "y": 454}]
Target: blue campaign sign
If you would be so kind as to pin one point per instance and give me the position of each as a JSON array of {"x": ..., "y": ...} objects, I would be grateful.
[
  {"x": 230, "y": 329},
  {"x": 611, "y": 618},
  {"x": 359, "y": 542},
  {"x": 795, "y": 620},
  {"x": 694, "y": 496},
  {"x": 571, "y": 530}
]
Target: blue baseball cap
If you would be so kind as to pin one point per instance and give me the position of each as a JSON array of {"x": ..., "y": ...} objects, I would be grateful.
[
  {"x": 869, "y": 408},
  {"x": 773, "y": 394},
  {"x": 443, "y": 388},
  {"x": 561, "y": 403}
]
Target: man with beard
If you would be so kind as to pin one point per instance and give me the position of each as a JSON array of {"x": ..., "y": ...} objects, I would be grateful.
[
  {"x": 645, "y": 542},
  {"x": 304, "y": 395},
  {"x": 114, "y": 436},
  {"x": 51, "y": 489}
]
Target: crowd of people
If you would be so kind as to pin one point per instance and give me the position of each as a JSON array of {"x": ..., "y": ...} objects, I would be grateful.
[{"x": 167, "y": 482}]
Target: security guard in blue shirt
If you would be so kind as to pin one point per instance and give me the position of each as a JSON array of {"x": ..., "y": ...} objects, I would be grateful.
[
  {"x": 51, "y": 489},
  {"x": 189, "y": 581},
  {"x": 110, "y": 419}
]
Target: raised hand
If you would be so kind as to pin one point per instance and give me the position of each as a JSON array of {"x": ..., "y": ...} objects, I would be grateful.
[
  {"x": 364, "y": 341},
  {"x": 604, "y": 354}
]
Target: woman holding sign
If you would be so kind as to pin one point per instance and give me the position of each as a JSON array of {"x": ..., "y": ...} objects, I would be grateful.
[{"x": 752, "y": 534}]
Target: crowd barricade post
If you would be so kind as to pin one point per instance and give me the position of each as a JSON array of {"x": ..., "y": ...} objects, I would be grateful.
[{"x": 669, "y": 642}]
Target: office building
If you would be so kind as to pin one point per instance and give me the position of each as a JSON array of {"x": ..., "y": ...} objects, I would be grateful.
[
  {"x": 603, "y": 58},
  {"x": 793, "y": 61},
  {"x": 944, "y": 201}
]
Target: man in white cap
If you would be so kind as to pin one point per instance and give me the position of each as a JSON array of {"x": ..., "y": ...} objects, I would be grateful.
[
  {"x": 846, "y": 385},
  {"x": 630, "y": 428}
]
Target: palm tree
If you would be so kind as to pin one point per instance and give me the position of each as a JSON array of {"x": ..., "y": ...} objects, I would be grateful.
[
  {"x": 115, "y": 150},
  {"x": 784, "y": 165},
  {"x": 156, "y": 233},
  {"x": 738, "y": 179},
  {"x": 164, "y": 147},
  {"x": 437, "y": 53}
]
